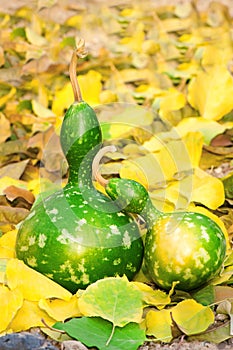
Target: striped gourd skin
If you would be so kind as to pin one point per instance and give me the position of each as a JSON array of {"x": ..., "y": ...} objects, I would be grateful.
[
  {"x": 184, "y": 247},
  {"x": 75, "y": 243}
]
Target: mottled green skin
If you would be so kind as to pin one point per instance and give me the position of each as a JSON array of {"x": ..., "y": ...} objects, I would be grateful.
[
  {"x": 183, "y": 246},
  {"x": 77, "y": 235},
  {"x": 129, "y": 195},
  {"x": 186, "y": 247}
]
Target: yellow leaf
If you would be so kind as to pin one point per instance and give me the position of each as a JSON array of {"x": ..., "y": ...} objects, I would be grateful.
[
  {"x": 4, "y": 127},
  {"x": 193, "y": 142},
  {"x": 7, "y": 245},
  {"x": 208, "y": 128},
  {"x": 158, "y": 324},
  {"x": 6, "y": 97},
  {"x": 214, "y": 55},
  {"x": 11, "y": 302},
  {"x": 34, "y": 38},
  {"x": 62, "y": 99},
  {"x": 75, "y": 21},
  {"x": 211, "y": 92},
  {"x": 131, "y": 117},
  {"x": 41, "y": 111},
  {"x": 136, "y": 40},
  {"x": 153, "y": 297},
  {"x": 90, "y": 85},
  {"x": 60, "y": 310},
  {"x": 142, "y": 169},
  {"x": 21, "y": 277},
  {"x": 192, "y": 317},
  {"x": 172, "y": 101},
  {"x": 30, "y": 315},
  {"x": 207, "y": 190}
]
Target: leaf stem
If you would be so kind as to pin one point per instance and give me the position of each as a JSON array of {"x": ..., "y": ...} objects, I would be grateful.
[
  {"x": 96, "y": 162},
  {"x": 51, "y": 328},
  {"x": 111, "y": 335},
  {"x": 80, "y": 52}
]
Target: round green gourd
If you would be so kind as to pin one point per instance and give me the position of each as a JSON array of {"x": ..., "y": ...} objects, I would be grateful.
[
  {"x": 187, "y": 247},
  {"x": 77, "y": 235}
]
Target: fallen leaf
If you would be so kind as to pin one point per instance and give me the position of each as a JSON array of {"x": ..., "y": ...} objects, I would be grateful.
[
  {"x": 5, "y": 128},
  {"x": 208, "y": 128},
  {"x": 29, "y": 315},
  {"x": 207, "y": 190},
  {"x": 60, "y": 310},
  {"x": 222, "y": 293},
  {"x": 205, "y": 92},
  {"x": 192, "y": 317},
  {"x": 225, "y": 307},
  {"x": 41, "y": 111},
  {"x": 205, "y": 296},
  {"x": 12, "y": 192},
  {"x": 158, "y": 325},
  {"x": 11, "y": 92},
  {"x": 217, "y": 335},
  {"x": 12, "y": 215},
  {"x": 34, "y": 38},
  {"x": 7, "y": 245},
  {"x": 94, "y": 331},
  {"x": 107, "y": 298},
  {"x": 14, "y": 170},
  {"x": 11, "y": 301},
  {"x": 21, "y": 276},
  {"x": 152, "y": 296}
]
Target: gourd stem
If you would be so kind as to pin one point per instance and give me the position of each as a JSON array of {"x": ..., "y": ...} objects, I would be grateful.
[
  {"x": 81, "y": 52},
  {"x": 96, "y": 162}
]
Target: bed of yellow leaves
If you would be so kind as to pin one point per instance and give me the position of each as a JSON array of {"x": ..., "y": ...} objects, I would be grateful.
[{"x": 161, "y": 81}]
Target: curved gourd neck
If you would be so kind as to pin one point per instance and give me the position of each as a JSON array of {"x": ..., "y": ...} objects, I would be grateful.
[
  {"x": 81, "y": 139},
  {"x": 149, "y": 213},
  {"x": 80, "y": 135}
]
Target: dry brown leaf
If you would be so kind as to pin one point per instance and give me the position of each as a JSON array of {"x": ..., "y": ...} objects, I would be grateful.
[
  {"x": 12, "y": 215},
  {"x": 13, "y": 192}
]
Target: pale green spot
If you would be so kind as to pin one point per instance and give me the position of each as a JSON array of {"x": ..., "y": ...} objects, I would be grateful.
[
  {"x": 31, "y": 240},
  {"x": 117, "y": 261},
  {"x": 42, "y": 240},
  {"x": 126, "y": 239},
  {"x": 32, "y": 261},
  {"x": 24, "y": 248}
]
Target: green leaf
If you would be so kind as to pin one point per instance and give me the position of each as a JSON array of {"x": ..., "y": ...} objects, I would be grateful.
[
  {"x": 205, "y": 296},
  {"x": 18, "y": 32},
  {"x": 192, "y": 317},
  {"x": 95, "y": 332},
  {"x": 114, "y": 299}
]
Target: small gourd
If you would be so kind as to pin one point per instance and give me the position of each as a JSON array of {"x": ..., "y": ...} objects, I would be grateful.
[
  {"x": 186, "y": 247},
  {"x": 77, "y": 235}
]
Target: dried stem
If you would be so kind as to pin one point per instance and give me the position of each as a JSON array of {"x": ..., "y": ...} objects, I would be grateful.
[
  {"x": 51, "y": 328},
  {"x": 80, "y": 52},
  {"x": 96, "y": 162}
]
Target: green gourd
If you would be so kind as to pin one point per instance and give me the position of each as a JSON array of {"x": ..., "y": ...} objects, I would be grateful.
[
  {"x": 186, "y": 247},
  {"x": 77, "y": 235}
]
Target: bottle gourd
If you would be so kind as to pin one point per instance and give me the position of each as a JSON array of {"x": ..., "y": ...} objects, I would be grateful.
[
  {"x": 184, "y": 247},
  {"x": 77, "y": 235}
]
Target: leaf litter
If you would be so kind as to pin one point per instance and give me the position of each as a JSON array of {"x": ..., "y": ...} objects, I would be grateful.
[{"x": 191, "y": 68}]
